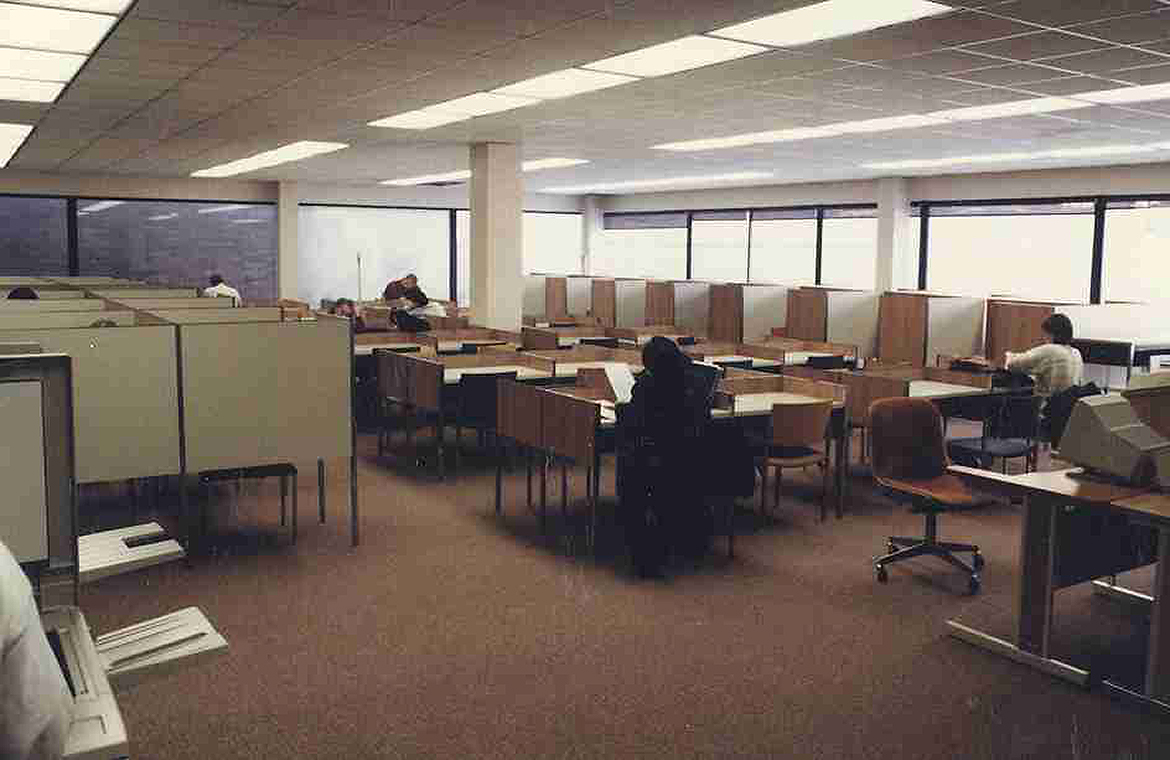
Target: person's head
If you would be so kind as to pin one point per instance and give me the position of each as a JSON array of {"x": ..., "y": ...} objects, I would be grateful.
[
  {"x": 215, "y": 279},
  {"x": 104, "y": 323},
  {"x": 393, "y": 291},
  {"x": 416, "y": 296},
  {"x": 662, "y": 358},
  {"x": 1059, "y": 329},
  {"x": 344, "y": 308},
  {"x": 409, "y": 282},
  {"x": 23, "y": 294}
]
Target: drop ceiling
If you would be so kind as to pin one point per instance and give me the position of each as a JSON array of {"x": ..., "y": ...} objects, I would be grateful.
[{"x": 180, "y": 86}]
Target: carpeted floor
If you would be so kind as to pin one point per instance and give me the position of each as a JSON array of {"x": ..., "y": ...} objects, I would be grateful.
[{"x": 451, "y": 634}]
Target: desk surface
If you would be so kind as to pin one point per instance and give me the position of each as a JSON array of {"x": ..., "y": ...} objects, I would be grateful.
[
  {"x": 569, "y": 369},
  {"x": 801, "y": 357},
  {"x": 1075, "y": 488},
  {"x": 575, "y": 340},
  {"x": 755, "y": 360},
  {"x": 936, "y": 390},
  {"x": 752, "y": 404},
  {"x": 451, "y": 375},
  {"x": 368, "y": 348},
  {"x": 455, "y": 345}
]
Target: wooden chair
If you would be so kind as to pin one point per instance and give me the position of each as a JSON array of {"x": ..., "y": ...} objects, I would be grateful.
[
  {"x": 478, "y": 405},
  {"x": 910, "y": 459},
  {"x": 796, "y": 439}
]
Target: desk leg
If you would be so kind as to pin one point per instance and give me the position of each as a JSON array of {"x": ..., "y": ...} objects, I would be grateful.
[
  {"x": 543, "y": 490},
  {"x": 440, "y": 453},
  {"x": 1035, "y": 602},
  {"x": 499, "y": 473},
  {"x": 528, "y": 462},
  {"x": 354, "y": 533},
  {"x": 595, "y": 499},
  {"x": 321, "y": 488},
  {"x": 1158, "y": 663},
  {"x": 842, "y": 475}
]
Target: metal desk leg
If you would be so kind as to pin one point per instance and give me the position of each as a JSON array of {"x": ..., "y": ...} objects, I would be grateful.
[
  {"x": 841, "y": 477},
  {"x": 543, "y": 490},
  {"x": 528, "y": 461},
  {"x": 499, "y": 474},
  {"x": 283, "y": 500},
  {"x": 321, "y": 488},
  {"x": 294, "y": 507},
  {"x": 440, "y": 452}
]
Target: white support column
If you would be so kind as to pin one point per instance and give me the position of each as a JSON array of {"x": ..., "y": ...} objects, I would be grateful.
[
  {"x": 897, "y": 267},
  {"x": 497, "y": 236},
  {"x": 288, "y": 239},
  {"x": 591, "y": 230}
]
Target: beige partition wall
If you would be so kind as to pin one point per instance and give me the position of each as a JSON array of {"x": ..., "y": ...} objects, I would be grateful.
[
  {"x": 268, "y": 393},
  {"x": 764, "y": 307},
  {"x": 954, "y": 327},
  {"x": 578, "y": 294},
  {"x": 51, "y": 304},
  {"x": 692, "y": 304},
  {"x": 852, "y": 318},
  {"x": 630, "y": 303},
  {"x": 151, "y": 304},
  {"x": 222, "y": 316},
  {"x": 118, "y": 294},
  {"x": 126, "y": 404},
  {"x": 534, "y": 300},
  {"x": 60, "y": 319},
  {"x": 57, "y": 294}
]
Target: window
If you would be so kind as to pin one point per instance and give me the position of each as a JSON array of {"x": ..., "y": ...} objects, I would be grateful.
[
  {"x": 178, "y": 244},
  {"x": 1036, "y": 251},
  {"x": 33, "y": 236},
  {"x": 552, "y": 242},
  {"x": 849, "y": 248},
  {"x": 784, "y": 246},
  {"x": 719, "y": 246},
  {"x": 391, "y": 243},
  {"x": 1137, "y": 251},
  {"x": 652, "y": 246}
]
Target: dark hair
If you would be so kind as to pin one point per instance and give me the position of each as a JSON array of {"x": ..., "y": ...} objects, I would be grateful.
[
  {"x": 216, "y": 279},
  {"x": 1060, "y": 328},
  {"x": 416, "y": 295},
  {"x": 23, "y": 294},
  {"x": 663, "y": 358},
  {"x": 393, "y": 291},
  {"x": 342, "y": 302},
  {"x": 104, "y": 323}
]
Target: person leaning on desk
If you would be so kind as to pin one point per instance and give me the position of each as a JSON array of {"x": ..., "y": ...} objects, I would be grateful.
[
  {"x": 36, "y": 707},
  {"x": 1055, "y": 366}
]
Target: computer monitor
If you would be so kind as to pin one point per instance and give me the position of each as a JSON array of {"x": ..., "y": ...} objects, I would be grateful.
[{"x": 1105, "y": 436}]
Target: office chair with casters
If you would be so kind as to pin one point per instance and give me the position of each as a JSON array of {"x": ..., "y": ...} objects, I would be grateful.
[
  {"x": 909, "y": 458},
  {"x": 600, "y": 342},
  {"x": 1010, "y": 431},
  {"x": 796, "y": 438},
  {"x": 477, "y": 405}
]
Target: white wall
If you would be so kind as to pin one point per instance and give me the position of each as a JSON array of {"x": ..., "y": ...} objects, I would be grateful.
[
  {"x": 128, "y": 186},
  {"x": 452, "y": 196},
  {"x": 864, "y": 191}
]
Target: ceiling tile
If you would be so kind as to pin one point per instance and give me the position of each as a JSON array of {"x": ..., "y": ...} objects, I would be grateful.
[
  {"x": 1148, "y": 75},
  {"x": 1070, "y": 85},
  {"x": 1108, "y": 60},
  {"x": 1010, "y": 74},
  {"x": 1132, "y": 29},
  {"x": 1029, "y": 47},
  {"x": 243, "y": 15},
  {"x": 940, "y": 62},
  {"x": 917, "y": 37},
  {"x": 165, "y": 52},
  {"x": 1060, "y": 13},
  {"x": 196, "y": 35},
  {"x": 323, "y": 26}
]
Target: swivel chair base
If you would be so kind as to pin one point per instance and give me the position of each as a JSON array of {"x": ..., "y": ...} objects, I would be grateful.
[{"x": 902, "y": 548}]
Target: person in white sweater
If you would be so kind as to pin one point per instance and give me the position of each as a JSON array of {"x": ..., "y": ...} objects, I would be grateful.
[
  {"x": 221, "y": 288},
  {"x": 1055, "y": 366},
  {"x": 36, "y": 707}
]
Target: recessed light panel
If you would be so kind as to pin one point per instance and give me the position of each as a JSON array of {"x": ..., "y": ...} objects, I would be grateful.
[
  {"x": 658, "y": 184},
  {"x": 292, "y": 152},
  {"x": 420, "y": 119},
  {"x": 54, "y": 29},
  {"x": 429, "y": 179},
  {"x": 752, "y": 138},
  {"x": 833, "y": 18},
  {"x": 1027, "y": 107},
  {"x": 481, "y": 104},
  {"x": 1128, "y": 94},
  {"x": 29, "y": 90},
  {"x": 677, "y": 55},
  {"x": 910, "y": 121},
  {"x": 550, "y": 163},
  {"x": 96, "y": 6},
  {"x": 562, "y": 84},
  {"x": 93, "y": 208},
  {"x": 12, "y": 136},
  {"x": 38, "y": 64},
  {"x": 999, "y": 158}
]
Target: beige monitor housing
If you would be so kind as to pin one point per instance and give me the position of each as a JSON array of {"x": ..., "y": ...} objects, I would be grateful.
[{"x": 1105, "y": 434}]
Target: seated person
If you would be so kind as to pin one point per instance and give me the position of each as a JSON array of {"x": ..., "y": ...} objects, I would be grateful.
[
  {"x": 346, "y": 308},
  {"x": 221, "y": 288},
  {"x": 36, "y": 707},
  {"x": 23, "y": 294},
  {"x": 662, "y": 508},
  {"x": 1055, "y": 366},
  {"x": 410, "y": 306}
]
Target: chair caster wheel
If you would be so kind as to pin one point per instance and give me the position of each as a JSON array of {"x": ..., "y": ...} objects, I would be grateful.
[
  {"x": 973, "y": 585},
  {"x": 979, "y": 561},
  {"x": 882, "y": 575}
]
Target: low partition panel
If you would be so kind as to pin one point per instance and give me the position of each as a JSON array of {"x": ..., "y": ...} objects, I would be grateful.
[
  {"x": 218, "y": 316},
  {"x": 47, "y": 305},
  {"x": 1014, "y": 326},
  {"x": 659, "y": 303},
  {"x": 64, "y": 319}
]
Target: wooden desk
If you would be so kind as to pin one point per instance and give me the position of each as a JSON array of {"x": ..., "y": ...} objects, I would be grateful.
[
  {"x": 368, "y": 348},
  {"x": 452, "y": 375},
  {"x": 1046, "y": 494}
]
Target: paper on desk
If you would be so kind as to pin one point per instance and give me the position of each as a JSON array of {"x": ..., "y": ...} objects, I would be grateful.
[{"x": 621, "y": 380}]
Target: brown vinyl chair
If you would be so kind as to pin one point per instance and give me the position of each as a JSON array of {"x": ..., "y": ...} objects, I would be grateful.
[
  {"x": 910, "y": 459},
  {"x": 797, "y": 437}
]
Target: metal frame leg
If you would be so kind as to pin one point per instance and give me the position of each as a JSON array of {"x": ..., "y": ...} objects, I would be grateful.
[
  {"x": 543, "y": 492},
  {"x": 321, "y": 489},
  {"x": 294, "y": 507},
  {"x": 283, "y": 500},
  {"x": 499, "y": 475}
]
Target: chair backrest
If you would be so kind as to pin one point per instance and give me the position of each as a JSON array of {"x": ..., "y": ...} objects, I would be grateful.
[
  {"x": 801, "y": 424},
  {"x": 907, "y": 436},
  {"x": 477, "y": 397},
  {"x": 1018, "y": 416},
  {"x": 603, "y": 342}
]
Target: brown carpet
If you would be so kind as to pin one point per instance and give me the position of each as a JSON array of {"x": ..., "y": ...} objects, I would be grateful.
[{"x": 449, "y": 634}]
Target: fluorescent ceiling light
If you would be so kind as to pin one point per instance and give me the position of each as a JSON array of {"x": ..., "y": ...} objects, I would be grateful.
[
  {"x": 465, "y": 174},
  {"x": 753, "y": 138},
  {"x": 37, "y": 64},
  {"x": 161, "y": 217},
  {"x": 481, "y": 104},
  {"x": 97, "y": 6},
  {"x": 997, "y": 158},
  {"x": 1011, "y": 108},
  {"x": 29, "y": 90},
  {"x": 93, "y": 208},
  {"x": 550, "y": 163},
  {"x": 562, "y": 84},
  {"x": 223, "y": 209},
  {"x": 249, "y": 221},
  {"x": 421, "y": 119},
  {"x": 1128, "y": 94},
  {"x": 834, "y": 18},
  {"x": 671, "y": 182},
  {"x": 296, "y": 151},
  {"x": 65, "y": 31},
  {"x": 910, "y": 121},
  {"x": 677, "y": 55},
  {"x": 427, "y": 179},
  {"x": 12, "y": 136}
]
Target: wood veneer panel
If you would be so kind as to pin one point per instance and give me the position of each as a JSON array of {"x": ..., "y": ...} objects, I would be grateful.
[
  {"x": 659, "y": 303},
  {"x": 808, "y": 315},
  {"x": 902, "y": 320}
]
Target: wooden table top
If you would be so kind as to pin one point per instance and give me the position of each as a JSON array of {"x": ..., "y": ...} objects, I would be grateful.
[
  {"x": 451, "y": 375},
  {"x": 1074, "y": 487}
]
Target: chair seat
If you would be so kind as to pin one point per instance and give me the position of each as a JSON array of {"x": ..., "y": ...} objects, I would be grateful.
[
  {"x": 790, "y": 456},
  {"x": 948, "y": 491},
  {"x": 1000, "y": 448}
]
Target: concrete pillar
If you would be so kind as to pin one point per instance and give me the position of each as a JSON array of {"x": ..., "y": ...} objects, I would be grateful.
[
  {"x": 897, "y": 263},
  {"x": 497, "y": 236},
  {"x": 591, "y": 230},
  {"x": 288, "y": 238}
]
